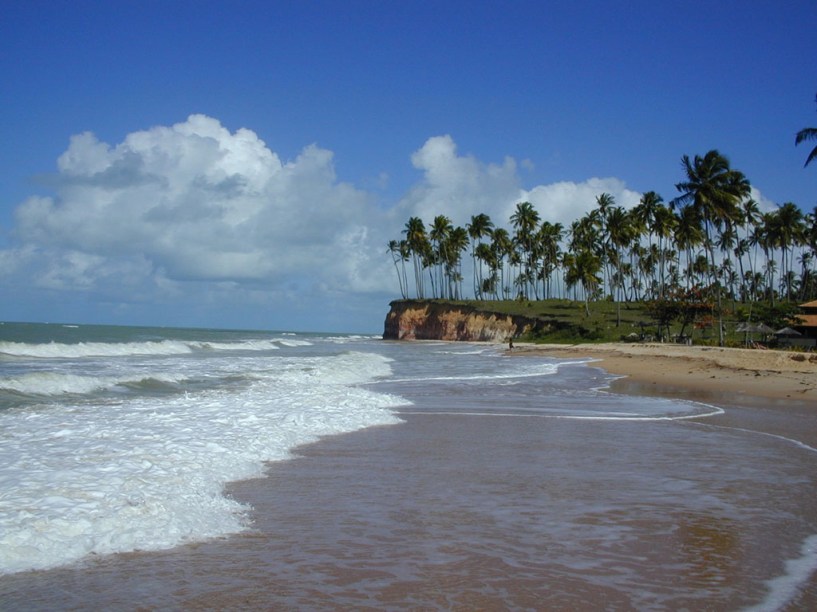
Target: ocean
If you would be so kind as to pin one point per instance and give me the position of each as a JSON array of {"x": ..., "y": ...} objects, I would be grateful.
[{"x": 194, "y": 468}]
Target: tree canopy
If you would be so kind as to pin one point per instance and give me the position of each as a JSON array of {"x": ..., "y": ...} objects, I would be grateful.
[{"x": 710, "y": 241}]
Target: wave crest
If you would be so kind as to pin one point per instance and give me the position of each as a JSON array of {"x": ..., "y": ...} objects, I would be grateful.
[{"x": 57, "y": 350}]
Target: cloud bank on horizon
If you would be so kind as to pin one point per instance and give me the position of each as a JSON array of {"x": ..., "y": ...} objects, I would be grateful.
[{"x": 195, "y": 209}]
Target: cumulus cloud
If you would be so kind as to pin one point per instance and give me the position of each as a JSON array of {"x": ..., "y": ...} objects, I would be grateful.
[
  {"x": 457, "y": 186},
  {"x": 172, "y": 210},
  {"x": 461, "y": 186},
  {"x": 764, "y": 204},
  {"x": 564, "y": 202},
  {"x": 196, "y": 202}
]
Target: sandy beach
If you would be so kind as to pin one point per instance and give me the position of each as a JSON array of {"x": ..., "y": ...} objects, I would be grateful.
[
  {"x": 674, "y": 368},
  {"x": 486, "y": 497}
]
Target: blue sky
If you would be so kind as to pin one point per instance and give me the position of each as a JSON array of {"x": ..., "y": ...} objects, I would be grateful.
[{"x": 243, "y": 164}]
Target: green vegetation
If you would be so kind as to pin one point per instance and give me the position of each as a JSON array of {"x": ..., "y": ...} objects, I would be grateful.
[
  {"x": 673, "y": 319},
  {"x": 703, "y": 262}
]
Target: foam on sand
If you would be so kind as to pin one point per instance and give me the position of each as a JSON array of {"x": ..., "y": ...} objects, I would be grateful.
[{"x": 148, "y": 473}]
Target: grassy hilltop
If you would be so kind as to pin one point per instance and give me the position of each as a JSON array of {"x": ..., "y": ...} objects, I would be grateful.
[{"x": 608, "y": 321}]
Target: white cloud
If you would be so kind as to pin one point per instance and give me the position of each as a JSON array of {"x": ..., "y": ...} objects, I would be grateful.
[
  {"x": 462, "y": 186},
  {"x": 457, "y": 186},
  {"x": 564, "y": 202},
  {"x": 764, "y": 204},
  {"x": 196, "y": 210},
  {"x": 198, "y": 203}
]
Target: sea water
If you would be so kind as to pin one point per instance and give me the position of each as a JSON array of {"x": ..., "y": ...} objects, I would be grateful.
[
  {"x": 115, "y": 439},
  {"x": 125, "y": 439}
]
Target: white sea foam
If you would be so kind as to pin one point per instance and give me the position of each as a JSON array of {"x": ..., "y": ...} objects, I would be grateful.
[
  {"x": 52, "y": 383},
  {"x": 798, "y": 443},
  {"x": 480, "y": 351},
  {"x": 293, "y": 343},
  {"x": 248, "y": 345},
  {"x": 148, "y": 473},
  {"x": 785, "y": 587},
  {"x": 559, "y": 414},
  {"x": 524, "y": 371},
  {"x": 56, "y": 383},
  {"x": 252, "y": 345},
  {"x": 57, "y": 350}
]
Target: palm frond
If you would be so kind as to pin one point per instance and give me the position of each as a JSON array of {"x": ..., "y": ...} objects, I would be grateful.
[
  {"x": 811, "y": 157},
  {"x": 805, "y": 134}
]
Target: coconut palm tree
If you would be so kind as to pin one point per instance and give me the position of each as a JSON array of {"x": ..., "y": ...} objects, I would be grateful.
[
  {"x": 715, "y": 190},
  {"x": 646, "y": 210},
  {"x": 583, "y": 268},
  {"x": 700, "y": 269},
  {"x": 400, "y": 254},
  {"x": 620, "y": 236},
  {"x": 806, "y": 275},
  {"x": 525, "y": 221},
  {"x": 441, "y": 229},
  {"x": 637, "y": 272},
  {"x": 479, "y": 227},
  {"x": 663, "y": 227},
  {"x": 750, "y": 218},
  {"x": 807, "y": 134},
  {"x": 770, "y": 240},
  {"x": 726, "y": 242},
  {"x": 502, "y": 247},
  {"x": 549, "y": 237},
  {"x": 742, "y": 250},
  {"x": 583, "y": 263},
  {"x": 417, "y": 242},
  {"x": 790, "y": 233},
  {"x": 810, "y": 242},
  {"x": 605, "y": 203},
  {"x": 455, "y": 244},
  {"x": 487, "y": 255}
]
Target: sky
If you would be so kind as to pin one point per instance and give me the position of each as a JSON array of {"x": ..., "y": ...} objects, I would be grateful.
[{"x": 243, "y": 164}]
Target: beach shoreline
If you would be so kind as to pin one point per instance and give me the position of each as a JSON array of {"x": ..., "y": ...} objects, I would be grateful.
[
  {"x": 551, "y": 512},
  {"x": 729, "y": 374}
]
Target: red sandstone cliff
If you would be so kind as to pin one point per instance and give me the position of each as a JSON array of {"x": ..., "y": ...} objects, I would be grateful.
[{"x": 428, "y": 320}]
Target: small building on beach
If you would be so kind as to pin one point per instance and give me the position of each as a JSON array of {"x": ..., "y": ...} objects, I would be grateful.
[{"x": 806, "y": 322}]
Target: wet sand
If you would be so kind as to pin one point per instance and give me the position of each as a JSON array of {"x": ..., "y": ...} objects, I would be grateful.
[
  {"x": 441, "y": 513},
  {"x": 466, "y": 513}
]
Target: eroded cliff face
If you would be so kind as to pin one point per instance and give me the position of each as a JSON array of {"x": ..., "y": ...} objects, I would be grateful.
[{"x": 424, "y": 320}]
